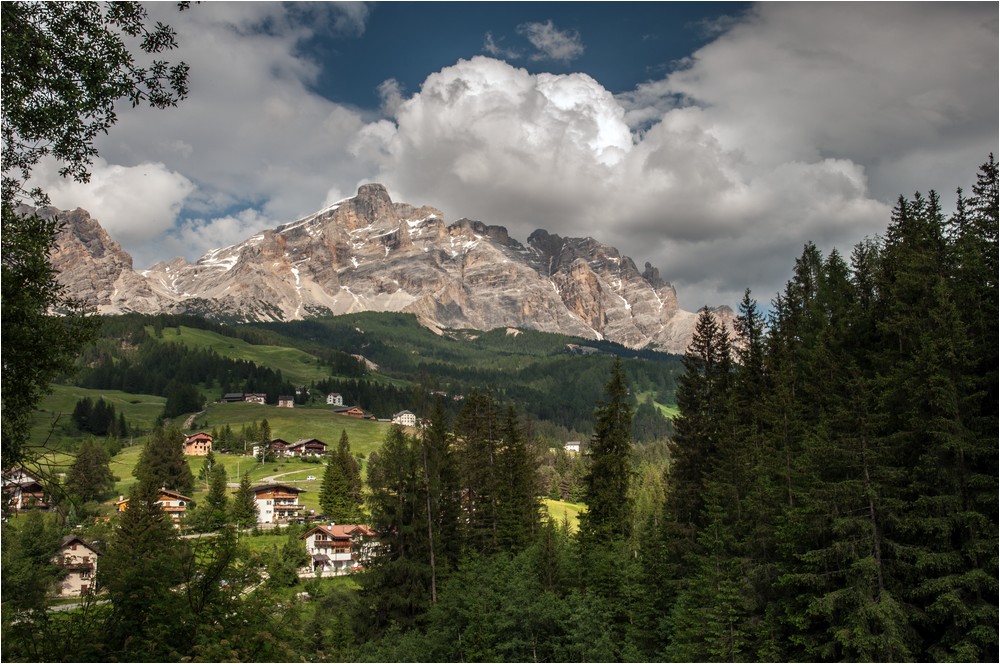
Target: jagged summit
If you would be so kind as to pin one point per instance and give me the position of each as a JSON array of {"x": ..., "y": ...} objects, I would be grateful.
[{"x": 368, "y": 253}]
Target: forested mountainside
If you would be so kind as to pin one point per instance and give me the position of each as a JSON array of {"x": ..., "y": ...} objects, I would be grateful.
[{"x": 382, "y": 362}]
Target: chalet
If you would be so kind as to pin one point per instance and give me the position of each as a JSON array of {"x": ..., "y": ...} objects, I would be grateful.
[
  {"x": 21, "y": 491},
  {"x": 572, "y": 447},
  {"x": 286, "y": 402},
  {"x": 255, "y": 397},
  {"x": 334, "y": 399},
  {"x": 277, "y": 503},
  {"x": 352, "y": 411},
  {"x": 232, "y": 397},
  {"x": 405, "y": 418},
  {"x": 172, "y": 503},
  {"x": 198, "y": 444},
  {"x": 339, "y": 549},
  {"x": 307, "y": 447},
  {"x": 79, "y": 560}
]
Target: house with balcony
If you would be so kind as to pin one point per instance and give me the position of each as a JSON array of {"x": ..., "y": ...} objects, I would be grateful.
[
  {"x": 286, "y": 401},
  {"x": 334, "y": 399},
  {"x": 21, "y": 491},
  {"x": 172, "y": 503},
  {"x": 307, "y": 447},
  {"x": 278, "y": 503},
  {"x": 337, "y": 549},
  {"x": 79, "y": 560},
  {"x": 255, "y": 397}
]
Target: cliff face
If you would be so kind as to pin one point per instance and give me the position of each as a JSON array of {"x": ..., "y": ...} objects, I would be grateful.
[{"x": 368, "y": 253}]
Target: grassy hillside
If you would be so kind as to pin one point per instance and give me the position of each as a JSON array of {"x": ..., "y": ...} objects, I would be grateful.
[
  {"x": 295, "y": 423},
  {"x": 53, "y": 419},
  {"x": 295, "y": 365}
]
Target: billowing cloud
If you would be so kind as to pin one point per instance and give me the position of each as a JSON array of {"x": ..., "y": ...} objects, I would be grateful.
[
  {"x": 135, "y": 204},
  {"x": 552, "y": 43},
  {"x": 497, "y": 143}
]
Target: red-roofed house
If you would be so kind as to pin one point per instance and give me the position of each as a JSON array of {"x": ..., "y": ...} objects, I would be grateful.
[
  {"x": 198, "y": 444},
  {"x": 339, "y": 549}
]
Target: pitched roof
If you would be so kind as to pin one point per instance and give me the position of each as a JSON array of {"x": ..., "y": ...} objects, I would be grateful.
[
  {"x": 341, "y": 530},
  {"x": 69, "y": 539},
  {"x": 268, "y": 487}
]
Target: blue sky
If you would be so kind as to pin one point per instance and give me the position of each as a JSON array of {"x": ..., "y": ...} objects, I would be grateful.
[
  {"x": 711, "y": 140},
  {"x": 619, "y": 44}
]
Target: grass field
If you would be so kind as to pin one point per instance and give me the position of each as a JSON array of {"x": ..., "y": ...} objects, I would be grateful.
[
  {"x": 54, "y": 414},
  {"x": 560, "y": 509},
  {"x": 669, "y": 411},
  {"x": 296, "y": 366},
  {"x": 293, "y": 424}
]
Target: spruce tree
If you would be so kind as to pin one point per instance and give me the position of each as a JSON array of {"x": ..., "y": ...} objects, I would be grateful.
[
  {"x": 244, "y": 507},
  {"x": 90, "y": 476},
  {"x": 138, "y": 571},
  {"x": 609, "y": 513},
  {"x": 162, "y": 461}
]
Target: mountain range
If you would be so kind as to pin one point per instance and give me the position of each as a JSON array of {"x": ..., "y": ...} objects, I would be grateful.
[{"x": 368, "y": 253}]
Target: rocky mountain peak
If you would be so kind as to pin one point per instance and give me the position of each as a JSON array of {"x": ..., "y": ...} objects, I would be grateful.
[{"x": 368, "y": 253}]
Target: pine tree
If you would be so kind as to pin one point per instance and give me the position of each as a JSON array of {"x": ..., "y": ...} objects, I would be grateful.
[
  {"x": 519, "y": 508},
  {"x": 478, "y": 436},
  {"x": 90, "y": 476},
  {"x": 396, "y": 589},
  {"x": 244, "y": 508},
  {"x": 142, "y": 564},
  {"x": 609, "y": 513},
  {"x": 336, "y": 489},
  {"x": 162, "y": 461}
]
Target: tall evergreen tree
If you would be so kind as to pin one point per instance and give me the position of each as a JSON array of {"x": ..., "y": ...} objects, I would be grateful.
[
  {"x": 244, "y": 507},
  {"x": 519, "y": 508},
  {"x": 90, "y": 476},
  {"x": 396, "y": 590},
  {"x": 142, "y": 564},
  {"x": 162, "y": 461}
]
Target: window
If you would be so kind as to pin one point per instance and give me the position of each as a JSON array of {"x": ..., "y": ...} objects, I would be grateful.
[{"x": 85, "y": 574}]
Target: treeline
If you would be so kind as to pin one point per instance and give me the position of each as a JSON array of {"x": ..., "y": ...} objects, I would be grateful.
[
  {"x": 166, "y": 369},
  {"x": 833, "y": 492},
  {"x": 99, "y": 418}
]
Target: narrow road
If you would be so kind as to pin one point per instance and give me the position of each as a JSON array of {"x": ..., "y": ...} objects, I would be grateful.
[{"x": 190, "y": 420}]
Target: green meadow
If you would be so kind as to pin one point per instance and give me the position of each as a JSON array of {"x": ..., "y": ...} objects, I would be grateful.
[{"x": 295, "y": 365}]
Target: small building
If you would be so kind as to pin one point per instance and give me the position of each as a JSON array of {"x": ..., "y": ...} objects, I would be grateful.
[
  {"x": 255, "y": 397},
  {"x": 572, "y": 447},
  {"x": 172, "y": 503},
  {"x": 198, "y": 444},
  {"x": 277, "y": 503},
  {"x": 334, "y": 399},
  {"x": 286, "y": 402},
  {"x": 232, "y": 397},
  {"x": 79, "y": 560},
  {"x": 337, "y": 549},
  {"x": 405, "y": 418},
  {"x": 352, "y": 411}
]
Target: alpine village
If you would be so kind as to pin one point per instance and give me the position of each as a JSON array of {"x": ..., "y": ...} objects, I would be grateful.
[{"x": 371, "y": 435}]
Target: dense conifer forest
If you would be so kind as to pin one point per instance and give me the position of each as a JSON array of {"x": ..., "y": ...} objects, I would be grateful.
[{"x": 829, "y": 493}]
